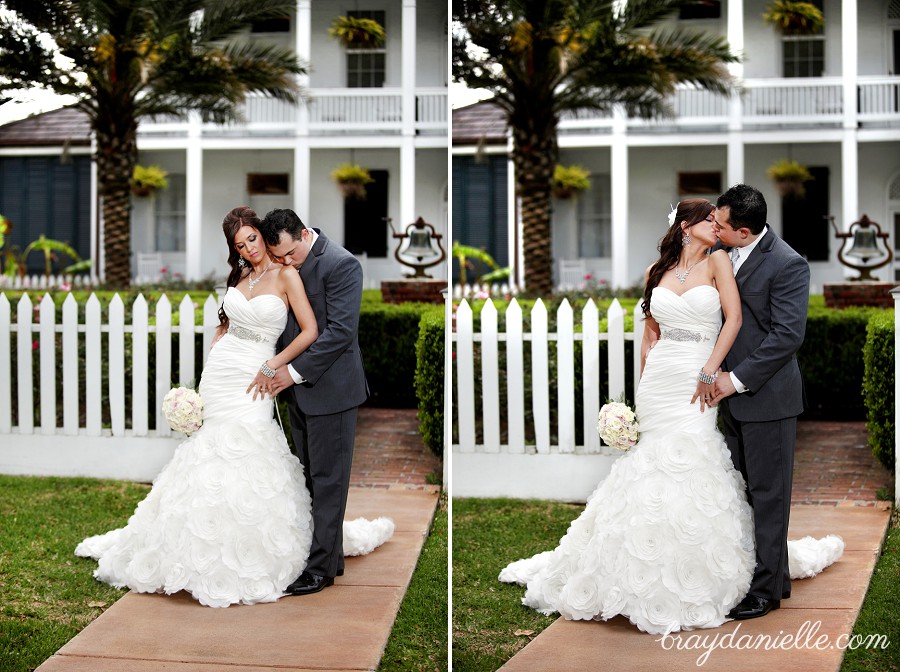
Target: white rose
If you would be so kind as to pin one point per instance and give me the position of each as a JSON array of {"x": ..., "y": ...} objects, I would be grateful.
[
  {"x": 701, "y": 616},
  {"x": 613, "y": 602},
  {"x": 246, "y": 507},
  {"x": 203, "y": 555},
  {"x": 259, "y": 590},
  {"x": 235, "y": 442},
  {"x": 144, "y": 571},
  {"x": 708, "y": 493},
  {"x": 645, "y": 542},
  {"x": 580, "y": 598},
  {"x": 176, "y": 578},
  {"x": 688, "y": 576},
  {"x": 244, "y": 554},
  {"x": 641, "y": 577},
  {"x": 678, "y": 459},
  {"x": 687, "y": 523},
  {"x": 661, "y": 610},
  {"x": 218, "y": 588},
  {"x": 206, "y": 522}
]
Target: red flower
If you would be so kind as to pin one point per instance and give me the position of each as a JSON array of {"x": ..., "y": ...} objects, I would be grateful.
[
  {"x": 35, "y": 345},
  {"x": 164, "y": 270}
]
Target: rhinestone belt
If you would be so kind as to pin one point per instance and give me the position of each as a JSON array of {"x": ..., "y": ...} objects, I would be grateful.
[
  {"x": 246, "y": 334},
  {"x": 683, "y": 335}
]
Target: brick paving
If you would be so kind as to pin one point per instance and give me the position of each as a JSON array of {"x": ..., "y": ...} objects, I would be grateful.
[
  {"x": 389, "y": 453},
  {"x": 834, "y": 465}
]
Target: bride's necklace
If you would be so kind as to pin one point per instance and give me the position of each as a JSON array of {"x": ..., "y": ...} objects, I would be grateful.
[
  {"x": 683, "y": 276},
  {"x": 252, "y": 283}
]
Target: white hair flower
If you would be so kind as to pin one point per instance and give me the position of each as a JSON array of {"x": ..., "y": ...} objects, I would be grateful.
[{"x": 672, "y": 214}]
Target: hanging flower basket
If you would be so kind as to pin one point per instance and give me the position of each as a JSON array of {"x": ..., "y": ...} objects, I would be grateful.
[
  {"x": 569, "y": 180},
  {"x": 795, "y": 18},
  {"x": 789, "y": 177},
  {"x": 147, "y": 179},
  {"x": 356, "y": 33},
  {"x": 351, "y": 180}
]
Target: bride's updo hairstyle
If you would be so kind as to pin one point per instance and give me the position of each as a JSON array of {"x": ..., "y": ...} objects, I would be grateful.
[
  {"x": 692, "y": 210},
  {"x": 234, "y": 220}
]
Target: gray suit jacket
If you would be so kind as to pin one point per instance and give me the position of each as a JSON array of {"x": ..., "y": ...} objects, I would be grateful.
[
  {"x": 332, "y": 365},
  {"x": 774, "y": 287}
]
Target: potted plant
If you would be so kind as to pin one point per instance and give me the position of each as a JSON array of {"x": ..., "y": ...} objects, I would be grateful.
[
  {"x": 569, "y": 180},
  {"x": 789, "y": 177},
  {"x": 351, "y": 180},
  {"x": 147, "y": 179},
  {"x": 795, "y": 18},
  {"x": 356, "y": 33}
]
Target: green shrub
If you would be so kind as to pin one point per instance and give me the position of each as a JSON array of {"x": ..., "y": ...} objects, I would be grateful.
[
  {"x": 831, "y": 360},
  {"x": 878, "y": 386},
  {"x": 387, "y": 340},
  {"x": 430, "y": 379}
]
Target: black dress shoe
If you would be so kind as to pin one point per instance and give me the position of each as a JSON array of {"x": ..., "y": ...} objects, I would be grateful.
[
  {"x": 753, "y": 607},
  {"x": 307, "y": 584}
]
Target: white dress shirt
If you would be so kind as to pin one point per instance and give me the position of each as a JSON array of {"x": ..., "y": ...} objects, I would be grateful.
[
  {"x": 745, "y": 252},
  {"x": 296, "y": 376}
]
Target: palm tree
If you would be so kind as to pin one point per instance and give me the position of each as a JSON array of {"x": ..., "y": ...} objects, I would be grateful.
[
  {"x": 544, "y": 58},
  {"x": 127, "y": 60}
]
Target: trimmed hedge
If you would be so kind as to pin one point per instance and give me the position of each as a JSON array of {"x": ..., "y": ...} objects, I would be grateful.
[
  {"x": 831, "y": 360},
  {"x": 387, "y": 340},
  {"x": 430, "y": 379},
  {"x": 878, "y": 386}
]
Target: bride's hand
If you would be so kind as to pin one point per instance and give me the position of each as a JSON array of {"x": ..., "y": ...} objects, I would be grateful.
[
  {"x": 705, "y": 393},
  {"x": 260, "y": 386}
]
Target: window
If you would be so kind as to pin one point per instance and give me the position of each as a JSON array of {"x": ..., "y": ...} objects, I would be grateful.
[
  {"x": 366, "y": 67},
  {"x": 480, "y": 208},
  {"x": 274, "y": 24},
  {"x": 695, "y": 184},
  {"x": 169, "y": 215},
  {"x": 804, "y": 55},
  {"x": 365, "y": 228},
  {"x": 267, "y": 183},
  {"x": 803, "y": 222},
  {"x": 703, "y": 9},
  {"x": 595, "y": 219}
]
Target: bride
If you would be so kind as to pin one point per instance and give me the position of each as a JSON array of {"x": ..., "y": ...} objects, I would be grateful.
[
  {"x": 667, "y": 538},
  {"x": 229, "y": 517}
]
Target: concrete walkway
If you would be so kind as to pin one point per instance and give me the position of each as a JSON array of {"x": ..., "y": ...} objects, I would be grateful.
[
  {"x": 344, "y": 627},
  {"x": 834, "y": 493}
]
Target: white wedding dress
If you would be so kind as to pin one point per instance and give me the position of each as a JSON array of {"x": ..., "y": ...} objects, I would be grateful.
[
  {"x": 667, "y": 538},
  {"x": 228, "y": 518}
]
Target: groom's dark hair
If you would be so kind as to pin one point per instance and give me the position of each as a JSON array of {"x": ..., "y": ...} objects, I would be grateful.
[
  {"x": 747, "y": 205},
  {"x": 279, "y": 220}
]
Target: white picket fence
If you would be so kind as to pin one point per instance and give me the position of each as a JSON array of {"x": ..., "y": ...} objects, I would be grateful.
[
  {"x": 83, "y": 448},
  {"x": 484, "y": 291},
  {"x": 47, "y": 282},
  {"x": 563, "y": 470}
]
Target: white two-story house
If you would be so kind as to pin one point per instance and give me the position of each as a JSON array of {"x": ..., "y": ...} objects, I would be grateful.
[
  {"x": 830, "y": 101},
  {"x": 384, "y": 109}
]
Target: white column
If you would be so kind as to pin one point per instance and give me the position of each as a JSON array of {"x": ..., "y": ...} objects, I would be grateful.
[
  {"x": 194, "y": 206},
  {"x": 849, "y": 67},
  {"x": 735, "y": 150},
  {"x": 408, "y": 67},
  {"x": 849, "y": 179},
  {"x": 513, "y": 223},
  {"x": 303, "y": 48},
  {"x": 619, "y": 187},
  {"x": 96, "y": 216},
  {"x": 408, "y": 132}
]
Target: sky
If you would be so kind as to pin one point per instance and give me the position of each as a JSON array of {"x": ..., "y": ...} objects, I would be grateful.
[{"x": 32, "y": 102}]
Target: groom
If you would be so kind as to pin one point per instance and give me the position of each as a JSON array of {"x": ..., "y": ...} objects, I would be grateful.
[
  {"x": 761, "y": 384},
  {"x": 325, "y": 384}
]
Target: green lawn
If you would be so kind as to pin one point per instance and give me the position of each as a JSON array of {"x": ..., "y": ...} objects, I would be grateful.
[
  {"x": 490, "y": 625},
  {"x": 49, "y": 595}
]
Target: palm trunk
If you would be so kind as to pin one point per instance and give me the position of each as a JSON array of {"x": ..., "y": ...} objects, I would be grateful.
[
  {"x": 535, "y": 155},
  {"x": 116, "y": 158}
]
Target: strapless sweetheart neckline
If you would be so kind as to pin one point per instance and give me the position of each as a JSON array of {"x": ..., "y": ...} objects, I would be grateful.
[
  {"x": 253, "y": 298},
  {"x": 685, "y": 291}
]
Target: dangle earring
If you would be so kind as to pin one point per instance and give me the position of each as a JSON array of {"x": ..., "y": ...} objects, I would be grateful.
[
  {"x": 241, "y": 262},
  {"x": 686, "y": 239}
]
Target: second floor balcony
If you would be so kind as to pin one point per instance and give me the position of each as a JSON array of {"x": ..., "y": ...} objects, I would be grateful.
[
  {"x": 768, "y": 103},
  {"x": 356, "y": 111}
]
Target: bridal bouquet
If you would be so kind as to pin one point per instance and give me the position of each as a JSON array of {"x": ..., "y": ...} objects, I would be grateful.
[
  {"x": 183, "y": 409},
  {"x": 618, "y": 426}
]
